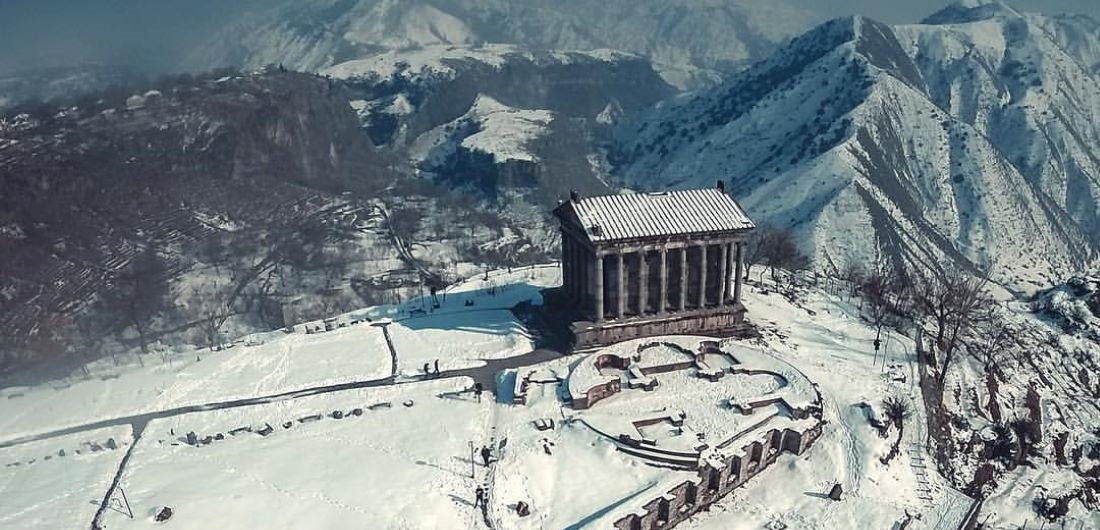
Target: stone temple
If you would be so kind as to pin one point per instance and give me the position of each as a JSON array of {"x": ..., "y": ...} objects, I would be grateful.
[{"x": 646, "y": 264}]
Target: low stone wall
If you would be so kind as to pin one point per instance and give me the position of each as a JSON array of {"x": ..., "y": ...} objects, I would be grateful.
[
  {"x": 595, "y": 394},
  {"x": 691, "y": 496}
]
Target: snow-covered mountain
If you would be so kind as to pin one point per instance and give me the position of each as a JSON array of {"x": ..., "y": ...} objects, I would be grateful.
[
  {"x": 497, "y": 116},
  {"x": 690, "y": 42},
  {"x": 969, "y": 138}
]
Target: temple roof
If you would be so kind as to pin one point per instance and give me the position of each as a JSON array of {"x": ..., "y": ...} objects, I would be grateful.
[{"x": 643, "y": 215}]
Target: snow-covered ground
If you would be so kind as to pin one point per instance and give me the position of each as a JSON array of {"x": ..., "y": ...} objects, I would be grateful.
[
  {"x": 825, "y": 339},
  {"x": 391, "y": 467},
  {"x": 457, "y": 334},
  {"x": 284, "y": 362},
  {"x": 458, "y": 340},
  {"x": 409, "y": 466},
  {"x": 58, "y": 483},
  {"x": 460, "y": 335},
  {"x": 499, "y": 289}
]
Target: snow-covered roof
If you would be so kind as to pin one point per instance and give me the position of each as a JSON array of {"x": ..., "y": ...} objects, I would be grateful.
[{"x": 642, "y": 215}]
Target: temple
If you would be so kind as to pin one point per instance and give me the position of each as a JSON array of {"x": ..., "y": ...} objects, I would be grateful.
[{"x": 645, "y": 264}]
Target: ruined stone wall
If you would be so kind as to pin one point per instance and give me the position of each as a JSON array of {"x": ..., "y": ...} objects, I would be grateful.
[{"x": 689, "y": 497}]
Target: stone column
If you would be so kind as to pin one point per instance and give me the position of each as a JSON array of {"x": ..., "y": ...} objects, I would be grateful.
[
  {"x": 570, "y": 270},
  {"x": 582, "y": 269},
  {"x": 683, "y": 276},
  {"x": 567, "y": 286},
  {"x": 621, "y": 284},
  {"x": 702, "y": 276},
  {"x": 578, "y": 270},
  {"x": 663, "y": 287},
  {"x": 599, "y": 287},
  {"x": 739, "y": 273},
  {"x": 723, "y": 273},
  {"x": 643, "y": 282}
]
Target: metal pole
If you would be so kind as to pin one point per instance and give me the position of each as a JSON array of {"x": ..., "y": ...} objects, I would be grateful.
[
  {"x": 473, "y": 470},
  {"x": 127, "y": 501}
]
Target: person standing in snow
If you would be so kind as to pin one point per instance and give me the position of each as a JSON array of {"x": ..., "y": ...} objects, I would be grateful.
[
  {"x": 426, "y": 369},
  {"x": 479, "y": 496},
  {"x": 486, "y": 455},
  {"x": 437, "y": 367},
  {"x": 477, "y": 391}
]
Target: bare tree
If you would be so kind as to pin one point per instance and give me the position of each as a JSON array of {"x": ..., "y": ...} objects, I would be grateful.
[
  {"x": 897, "y": 410},
  {"x": 883, "y": 291},
  {"x": 754, "y": 249},
  {"x": 774, "y": 249},
  {"x": 991, "y": 340},
  {"x": 853, "y": 274},
  {"x": 210, "y": 326},
  {"x": 954, "y": 302}
]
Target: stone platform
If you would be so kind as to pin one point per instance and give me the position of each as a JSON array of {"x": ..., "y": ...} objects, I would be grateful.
[{"x": 722, "y": 321}]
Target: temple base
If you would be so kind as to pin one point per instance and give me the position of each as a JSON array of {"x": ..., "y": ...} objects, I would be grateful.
[{"x": 718, "y": 322}]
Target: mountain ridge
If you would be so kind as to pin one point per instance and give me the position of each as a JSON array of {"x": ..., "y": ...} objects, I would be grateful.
[
  {"x": 691, "y": 43},
  {"x": 839, "y": 130}
]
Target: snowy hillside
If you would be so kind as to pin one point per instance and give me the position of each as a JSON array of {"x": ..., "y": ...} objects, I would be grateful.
[
  {"x": 870, "y": 144},
  {"x": 689, "y": 42}
]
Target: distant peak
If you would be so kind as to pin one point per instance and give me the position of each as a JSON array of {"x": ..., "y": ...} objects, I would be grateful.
[
  {"x": 965, "y": 11},
  {"x": 971, "y": 4}
]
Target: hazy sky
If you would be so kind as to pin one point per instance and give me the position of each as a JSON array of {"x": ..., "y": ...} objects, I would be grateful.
[{"x": 155, "y": 34}]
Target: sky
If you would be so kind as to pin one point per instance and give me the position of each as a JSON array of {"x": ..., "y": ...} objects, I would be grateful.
[{"x": 154, "y": 35}]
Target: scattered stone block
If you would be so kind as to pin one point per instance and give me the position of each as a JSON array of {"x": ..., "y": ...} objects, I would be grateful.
[
  {"x": 288, "y": 424},
  {"x": 163, "y": 514},
  {"x": 307, "y": 419},
  {"x": 239, "y": 430},
  {"x": 112, "y": 444},
  {"x": 192, "y": 438},
  {"x": 219, "y": 436},
  {"x": 337, "y": 414},
  {"x": 836, "y": 492},
  {"x": 408, "y": 403},
  {"x": 382, "y": 405},
  {"x": 268, "y": 429},
  {"x": 357, "y": 412}
]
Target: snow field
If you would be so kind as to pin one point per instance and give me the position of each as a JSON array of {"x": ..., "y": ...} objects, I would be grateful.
[
  {"x": 283, "y": 363},
  {"x": 833, "y": 348},
  {"x": 48, "y": 491},
  {"x": 457, "y": 340},
  {"x": 409, "y": 467},
  {"x": 391, "y": 467},
  {"x": 579, "y": 483}
]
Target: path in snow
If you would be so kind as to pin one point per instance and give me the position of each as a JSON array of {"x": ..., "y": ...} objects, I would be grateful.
[
  {"x": 97, "y": 520},
  {"x": 393, "y": 351}
]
